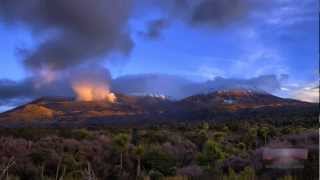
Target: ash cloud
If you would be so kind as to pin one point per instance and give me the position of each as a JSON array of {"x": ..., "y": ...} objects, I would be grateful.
[
  {"x": 68, "y": 35},
  {"x": 71, "y": 32},
  {"x": 14, "y": 92}
]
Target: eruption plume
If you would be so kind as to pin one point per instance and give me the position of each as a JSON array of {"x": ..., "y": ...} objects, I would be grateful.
[
  {"x": 70, "y": 34},
  {"x": 92, "y": 84},
  {"x": 88, "y": 91}
]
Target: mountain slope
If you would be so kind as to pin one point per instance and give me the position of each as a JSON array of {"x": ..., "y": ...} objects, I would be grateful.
[
  {"x": 59, "y": 109},
  {"x": 219, "y": 105},
  {"x": 238, "y": 99}
]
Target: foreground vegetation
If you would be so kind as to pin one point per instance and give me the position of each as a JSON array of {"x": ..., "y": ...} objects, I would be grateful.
[{"x": 187, "y": 151}]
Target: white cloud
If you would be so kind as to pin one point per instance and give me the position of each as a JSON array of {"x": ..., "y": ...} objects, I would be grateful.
[
  {"x": 259, "y": 62},
  {"x": 291, "y": 12},
  {"x": 5, "y": 108},
  {"x": 300, "y": 90},
  {"x": 308, "y": 94}
]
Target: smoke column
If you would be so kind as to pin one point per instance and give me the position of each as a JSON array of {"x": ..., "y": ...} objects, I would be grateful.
[
  {"x": 68, "y": 34},
  {"x": 91, "y": 85}
]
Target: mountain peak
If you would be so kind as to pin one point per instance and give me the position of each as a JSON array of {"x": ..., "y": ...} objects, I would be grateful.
[{"x": 235, "y": 99}]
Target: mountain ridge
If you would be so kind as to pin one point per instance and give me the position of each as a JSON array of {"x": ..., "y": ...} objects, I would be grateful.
[{"x": 146, "y": 109}]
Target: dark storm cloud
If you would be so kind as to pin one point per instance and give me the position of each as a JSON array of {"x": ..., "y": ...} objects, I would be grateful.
[
  {"x": 155, "y": 28},
  {"x": 10, "y": 90},
  {"x": 17, "y": 91},
  {"x": 72, "y": 32},
  {"x": 212, "y": 13},
  {"x": 219, "y": 12}
]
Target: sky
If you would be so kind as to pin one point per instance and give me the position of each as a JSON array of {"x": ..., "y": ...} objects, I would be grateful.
[{"x": 200, "y": 41}]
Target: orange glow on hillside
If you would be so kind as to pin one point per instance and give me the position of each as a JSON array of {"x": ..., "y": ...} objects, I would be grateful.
[{"x": 86, "y": 91}]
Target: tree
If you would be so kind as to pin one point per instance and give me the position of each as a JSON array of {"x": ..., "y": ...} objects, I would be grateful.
[
  {"x": 211, "y": 154},
  {"x": 81, "y": 134},
  {"x": 251, "y": 137},
  {"x": 264, "y": 132},
  {"x": 202, "y": 134},
  {"x": 212, "y": 149},
  {"x": 138, "y": 152},
  {"x": 121, "y": 143}
]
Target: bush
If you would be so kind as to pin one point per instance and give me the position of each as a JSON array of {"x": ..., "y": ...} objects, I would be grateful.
[
  {"x": 82, "y": 134},
  {"x": 159, "y": 161},
  {"x": 212, "y": 152}
]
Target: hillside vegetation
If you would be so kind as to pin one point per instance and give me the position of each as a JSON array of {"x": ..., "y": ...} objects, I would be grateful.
[{"x": 200, "y": 151}]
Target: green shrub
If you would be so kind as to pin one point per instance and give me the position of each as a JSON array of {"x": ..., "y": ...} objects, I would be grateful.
[
  {"x": 159, "y": 161},
  {"x": 82, "y": 134}
]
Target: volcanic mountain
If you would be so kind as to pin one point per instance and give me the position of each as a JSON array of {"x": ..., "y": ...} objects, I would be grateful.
[
  {"x": 128, "y": 110},
  {"x": 237, "y": 99}
]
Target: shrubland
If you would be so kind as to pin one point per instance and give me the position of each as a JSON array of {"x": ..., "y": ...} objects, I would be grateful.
[{"x": 229, "y": 150}]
